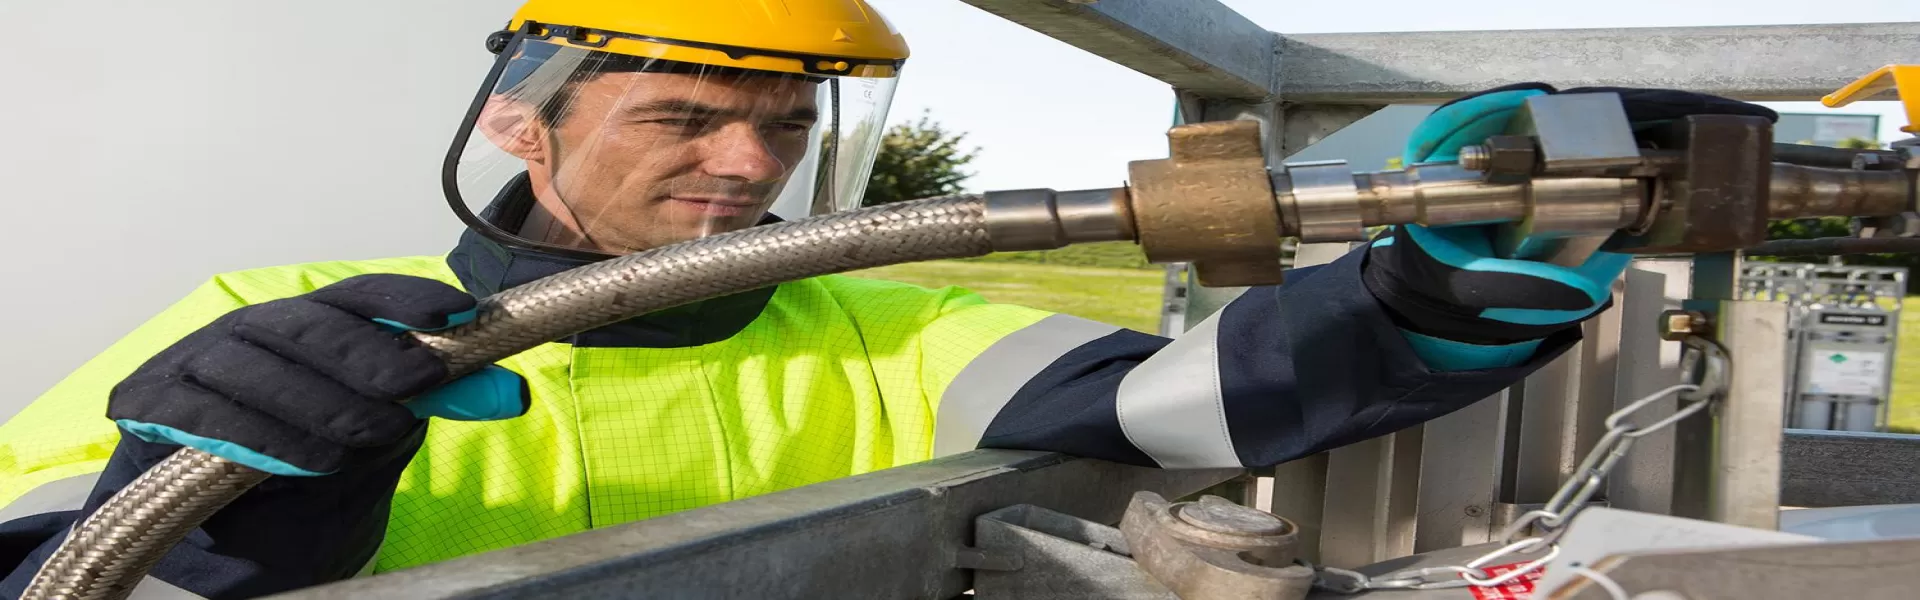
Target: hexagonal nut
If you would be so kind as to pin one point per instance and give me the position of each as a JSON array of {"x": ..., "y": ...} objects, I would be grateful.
[
  {"x": 1676, "y": 325},
  {"x": 1510, "y": 155}
]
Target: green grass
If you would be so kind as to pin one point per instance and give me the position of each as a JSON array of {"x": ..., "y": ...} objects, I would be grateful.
[
  {"x": 1115, "y": 255},
  {"x": 1125, "y": 297}
]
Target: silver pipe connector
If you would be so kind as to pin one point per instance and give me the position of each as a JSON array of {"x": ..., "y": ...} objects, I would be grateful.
[{"x": 1042, "y": 219}]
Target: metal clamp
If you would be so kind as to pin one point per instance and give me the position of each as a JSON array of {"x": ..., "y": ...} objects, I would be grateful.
[{"x": 1215, "y": 549}]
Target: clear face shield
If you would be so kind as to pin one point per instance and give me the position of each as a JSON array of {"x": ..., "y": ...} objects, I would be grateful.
[{"x": 592, "y": 153}]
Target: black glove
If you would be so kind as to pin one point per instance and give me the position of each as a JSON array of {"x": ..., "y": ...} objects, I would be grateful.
[
  {"x": 300, "y": 386},
  {"x": 1464, "y": 305}
]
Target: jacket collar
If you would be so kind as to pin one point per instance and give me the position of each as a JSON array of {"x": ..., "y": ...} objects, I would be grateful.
[{"x": 486, "y": 267}]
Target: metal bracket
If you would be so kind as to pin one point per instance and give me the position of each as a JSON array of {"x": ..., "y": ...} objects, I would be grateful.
[{"x": 1210, "y": 548}]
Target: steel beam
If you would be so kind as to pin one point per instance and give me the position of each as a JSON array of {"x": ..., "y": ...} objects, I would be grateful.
[
  {"x": 1727, "y": 460},
  {"x": 1796, "y": 62},
  {"x": 1563, "y": 409},
  {"x": 1831, "y": 468},
  {"x": 1201, "y": 46},
  {"x": 887, "y": 534},
  {"x": 1459, "y": 476},
  {"x": 1643, "y": 480}
]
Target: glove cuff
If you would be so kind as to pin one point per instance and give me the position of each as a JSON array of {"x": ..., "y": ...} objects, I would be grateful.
[{"x": 1421, "y": 314}]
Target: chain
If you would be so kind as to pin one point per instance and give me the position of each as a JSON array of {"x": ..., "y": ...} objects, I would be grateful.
[{"x": 1703, "y": 357}]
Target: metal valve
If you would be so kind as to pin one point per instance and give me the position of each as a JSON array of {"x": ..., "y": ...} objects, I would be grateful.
[{"x": 1570, "y": 177}]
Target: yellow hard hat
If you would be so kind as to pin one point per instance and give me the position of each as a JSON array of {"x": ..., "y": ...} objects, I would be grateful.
[
  {"x": 829, "y": 37},
  {"x": 613, "y": 126}
]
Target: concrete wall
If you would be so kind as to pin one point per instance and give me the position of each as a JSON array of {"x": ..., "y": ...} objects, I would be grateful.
[{"x": 152, "y": 144}]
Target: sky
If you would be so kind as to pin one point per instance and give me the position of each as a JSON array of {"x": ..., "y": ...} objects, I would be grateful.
[{"x": 1045, "y": 114}]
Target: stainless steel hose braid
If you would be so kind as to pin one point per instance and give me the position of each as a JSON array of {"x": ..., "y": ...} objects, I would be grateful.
[
  {"x": 607, "y": 292},
  {"x": 108, "y": 554},
  {"x": 112, "y": 550}
]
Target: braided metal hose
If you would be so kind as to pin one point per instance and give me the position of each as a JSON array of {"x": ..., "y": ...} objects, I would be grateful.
[{"x": 109, "y": 553}]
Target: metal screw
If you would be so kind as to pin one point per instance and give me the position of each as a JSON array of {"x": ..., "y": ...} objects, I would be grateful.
[
  {"x": 1476, "y": 157},
  {"x": 1676, "y": 325},
  {"x": 1476, "y": 511}
]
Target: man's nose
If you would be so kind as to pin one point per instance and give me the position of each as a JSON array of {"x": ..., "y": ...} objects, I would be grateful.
[{"x": 739, "y": 151}]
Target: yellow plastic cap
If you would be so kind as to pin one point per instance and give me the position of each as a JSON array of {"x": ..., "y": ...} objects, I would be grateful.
[
  {"x": 833, "y": 32},
  {"x": 1904, "y": 79}
]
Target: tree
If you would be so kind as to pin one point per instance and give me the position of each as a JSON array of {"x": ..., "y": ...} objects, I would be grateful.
[{"x": 918, "y": 160}]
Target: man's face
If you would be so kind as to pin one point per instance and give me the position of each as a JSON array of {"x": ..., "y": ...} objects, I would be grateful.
[{"x": 642, "y": 160}]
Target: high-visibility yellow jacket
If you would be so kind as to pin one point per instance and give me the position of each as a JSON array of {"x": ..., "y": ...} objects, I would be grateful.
[{"x": 809, "y": 381}]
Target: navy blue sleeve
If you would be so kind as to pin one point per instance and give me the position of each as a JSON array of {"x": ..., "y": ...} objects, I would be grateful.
[
  {"x": 284, "y": 534},
  {"x": 1281, "y": 373}
]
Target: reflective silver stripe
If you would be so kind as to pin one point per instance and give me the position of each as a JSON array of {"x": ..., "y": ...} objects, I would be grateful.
[
  {"x": 367, "y": 569},
  {"x": 986, "y": 384},
  {"x": 1170, "y": 404},
  {"x": 155, "y": 589},
  {"x": 53, "y": 496}
]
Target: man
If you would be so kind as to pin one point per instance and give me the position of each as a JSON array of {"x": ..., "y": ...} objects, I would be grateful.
[{"x": 612, "y": 127}]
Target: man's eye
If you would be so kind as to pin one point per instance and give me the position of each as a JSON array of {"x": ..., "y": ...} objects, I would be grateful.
[{"x": 790, "y": 127}]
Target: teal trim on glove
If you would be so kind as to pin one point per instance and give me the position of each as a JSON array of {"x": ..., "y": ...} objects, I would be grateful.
[
  {"x": 1448, "y": 355},
  {"x": 1471, "y": 249},
  {"x": 161, "y": 434},
  {"x": 490, "y": 394}
]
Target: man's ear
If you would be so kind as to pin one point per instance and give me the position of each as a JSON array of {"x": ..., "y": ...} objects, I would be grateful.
[{"x": 515, "y": 127}]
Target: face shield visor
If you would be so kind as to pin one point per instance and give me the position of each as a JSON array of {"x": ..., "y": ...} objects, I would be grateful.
[{"x": 576, "y": 149}]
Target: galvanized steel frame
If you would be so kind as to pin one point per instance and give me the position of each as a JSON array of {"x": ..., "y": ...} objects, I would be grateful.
[
  {"x": 1326, "y": 81},
  {"x": 896, "y": 533},
  {"x": 901, "y": 532}
]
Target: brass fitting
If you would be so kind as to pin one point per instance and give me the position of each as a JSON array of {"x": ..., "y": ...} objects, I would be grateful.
[
  {"x": 1676, "y": 325},
  {"x": 1211, "y": 203}
]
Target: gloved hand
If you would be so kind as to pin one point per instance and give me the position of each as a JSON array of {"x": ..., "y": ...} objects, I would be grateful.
[
  {"x": 1460, "y": 306},
  {"x": 302, "y": 385}
]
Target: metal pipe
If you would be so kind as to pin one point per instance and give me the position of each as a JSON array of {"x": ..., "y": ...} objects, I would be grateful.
[
  {"x": 1823, "y": 156},
  {"x": 1437, "y": 194},
  {"x": 112, "y": 550},
  {"x": 1799, "y": 192}
]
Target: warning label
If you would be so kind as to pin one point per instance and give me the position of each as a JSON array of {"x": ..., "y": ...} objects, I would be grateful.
[
  {"x": 1853, "y": 319},
  {"x": 1845, "y": 373},
  {"x": 1521, "y": 588}
]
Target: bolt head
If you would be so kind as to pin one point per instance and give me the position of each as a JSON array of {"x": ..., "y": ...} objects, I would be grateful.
[
  {"x": 1510, "y": 155},
  {"x": 1216, "y": 514},
  {"x": 1676, "y": 325}
]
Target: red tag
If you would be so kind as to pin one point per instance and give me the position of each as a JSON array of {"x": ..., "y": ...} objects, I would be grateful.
[{"x": 1520, "y": 588}]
